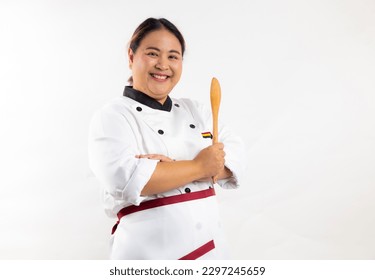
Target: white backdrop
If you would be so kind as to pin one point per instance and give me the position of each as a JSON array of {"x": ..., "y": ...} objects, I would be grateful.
[{"x": 298, "y": 85}]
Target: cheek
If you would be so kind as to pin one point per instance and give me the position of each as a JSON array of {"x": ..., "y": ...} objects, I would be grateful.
[
  {"x": 141, "y": 65},
  {"x": 178, "y": 71}
]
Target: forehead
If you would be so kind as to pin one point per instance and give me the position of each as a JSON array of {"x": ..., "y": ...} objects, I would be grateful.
[{"x": 162, "y": 39}]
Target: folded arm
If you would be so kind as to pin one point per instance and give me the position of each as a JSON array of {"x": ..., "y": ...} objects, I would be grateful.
[{"x": 170, "y": 174}]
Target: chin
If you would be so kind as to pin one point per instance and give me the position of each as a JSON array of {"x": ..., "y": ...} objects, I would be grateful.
[{"x": 162, "y": 91}]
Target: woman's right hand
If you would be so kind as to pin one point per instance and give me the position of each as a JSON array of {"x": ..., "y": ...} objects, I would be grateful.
[{"x": 211, "y": 160}]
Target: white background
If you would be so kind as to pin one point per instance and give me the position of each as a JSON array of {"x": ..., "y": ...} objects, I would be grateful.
[{"x": 298, "y": 86}]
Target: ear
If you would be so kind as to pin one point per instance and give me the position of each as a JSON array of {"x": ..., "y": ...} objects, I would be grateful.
[{"x": 131, "y": 57}]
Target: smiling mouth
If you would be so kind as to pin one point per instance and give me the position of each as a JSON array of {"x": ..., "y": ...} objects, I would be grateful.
[{"x": 159, "y": 77}]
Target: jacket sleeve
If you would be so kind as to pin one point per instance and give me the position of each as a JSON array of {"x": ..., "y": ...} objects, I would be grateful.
[
  {"x": 233, "y": 146},
  {"x": 112, "y": 148},
  {"x": 234, "y": 157}
]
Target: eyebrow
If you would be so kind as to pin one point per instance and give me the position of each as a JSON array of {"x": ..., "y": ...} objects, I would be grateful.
[{"x": 156, "y": 49}]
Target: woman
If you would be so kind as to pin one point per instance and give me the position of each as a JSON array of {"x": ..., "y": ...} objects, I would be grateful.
[{"x": 154, "y": 157}]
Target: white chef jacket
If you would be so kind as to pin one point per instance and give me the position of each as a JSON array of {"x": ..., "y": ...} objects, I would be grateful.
[{"x": 124, "y": 128}]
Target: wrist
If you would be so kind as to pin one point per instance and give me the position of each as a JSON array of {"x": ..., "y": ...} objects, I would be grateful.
[{"x": 198, "y": 170}]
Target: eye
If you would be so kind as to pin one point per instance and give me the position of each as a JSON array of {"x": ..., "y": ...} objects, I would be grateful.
[
  {"x": 152, "y": 54},
  {"x": 174, "y": 57}
]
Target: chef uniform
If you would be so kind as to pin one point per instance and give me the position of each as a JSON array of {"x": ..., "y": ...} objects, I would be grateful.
[{"x": 182, "y": 223}]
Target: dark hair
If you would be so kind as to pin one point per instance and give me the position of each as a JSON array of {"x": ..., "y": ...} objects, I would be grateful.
[{"x": 150, "y": 25}]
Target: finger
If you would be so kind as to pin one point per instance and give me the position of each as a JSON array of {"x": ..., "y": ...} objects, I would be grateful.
[
  {"x": 145, "y": 156},
  {"x": 157, "y": 157},
  {"x": 166, "y": 159},
  {"x": 214, "y": 179},
  {"x": 219, "y": 145},
  {"x": 149, "y": 155},
  {"x": 152, "y": 156}
]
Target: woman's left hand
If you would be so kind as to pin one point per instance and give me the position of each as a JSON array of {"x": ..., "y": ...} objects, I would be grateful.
[{"x": 161, "y": 158}]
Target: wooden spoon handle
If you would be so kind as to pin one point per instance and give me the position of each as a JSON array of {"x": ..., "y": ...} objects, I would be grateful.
[{"x": 215, "y": 96}]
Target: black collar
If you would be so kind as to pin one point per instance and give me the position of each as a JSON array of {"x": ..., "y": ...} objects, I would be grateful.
[{"x": 143, "y": 98}]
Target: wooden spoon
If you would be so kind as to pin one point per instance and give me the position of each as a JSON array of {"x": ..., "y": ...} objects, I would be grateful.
[{"x": 215, "y": 96}]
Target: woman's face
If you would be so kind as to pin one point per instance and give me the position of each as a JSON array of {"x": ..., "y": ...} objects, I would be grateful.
[{"x": 156, "y": 64}]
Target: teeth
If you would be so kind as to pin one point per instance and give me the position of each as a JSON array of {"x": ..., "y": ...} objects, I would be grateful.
[{"x": 159, "y": 77}]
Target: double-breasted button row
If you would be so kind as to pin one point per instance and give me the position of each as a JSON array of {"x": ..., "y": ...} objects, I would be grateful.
[{"x": 160, "y": 131}]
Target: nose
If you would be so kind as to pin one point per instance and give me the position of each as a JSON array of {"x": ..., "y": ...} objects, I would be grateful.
[{"x": 162, "y": 63}]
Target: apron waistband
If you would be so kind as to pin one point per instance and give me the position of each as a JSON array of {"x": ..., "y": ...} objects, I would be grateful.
[{"x": 162, "y": 202}]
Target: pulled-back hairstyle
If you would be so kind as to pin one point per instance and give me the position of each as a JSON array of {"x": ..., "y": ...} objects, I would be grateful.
[{"x": 150, "y": 25}]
